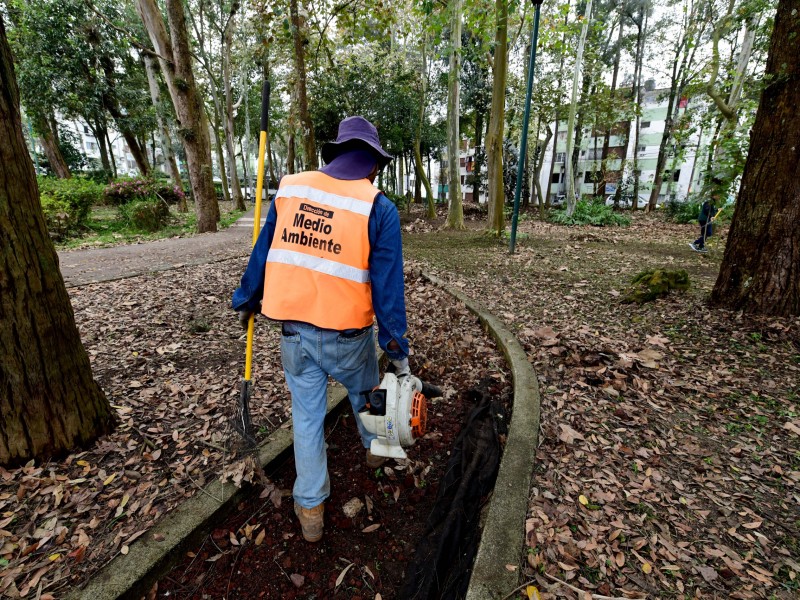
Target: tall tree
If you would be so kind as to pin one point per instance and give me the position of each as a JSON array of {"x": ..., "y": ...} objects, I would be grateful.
[
  {"x": 421, "y": 178},
  {"x": 570, "y": 176},
  {"x": 298, "y": 36},
  {"x": 682, "y": 60},
  {"x": 175, "y": 59},
  {"x": 455, "y": 213},
  {"x": 49, "y": 402},
  {"x": 760, "y": 270},
  {"x": 163, "y": 129},
  {"x": 494, "y": 135},
  {"x": 227, "y": 39}
]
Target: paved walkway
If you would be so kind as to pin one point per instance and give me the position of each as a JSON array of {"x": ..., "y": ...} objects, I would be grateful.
[{"x": 94, "y": 265}]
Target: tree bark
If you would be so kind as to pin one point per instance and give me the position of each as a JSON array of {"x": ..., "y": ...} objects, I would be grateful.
[
  {"x": 163, "y": 130},
  {"x": 494, "y": 135},
  {"x": 58, "y": 165},
  {"x": 175, "y": 60},
  {"x": 760, "y": 270},
  {"x": 49, "y": 403},
  {"x": 230, "y": 134},
  {"x": 573, "y": 106},
  {"x": 309, "y": 142},
  {"x": 455, "y": 212},
  {"x": 421, "y": 178}
]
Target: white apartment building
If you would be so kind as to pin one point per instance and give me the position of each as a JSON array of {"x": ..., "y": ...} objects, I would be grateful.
[{"x": 683, "y": 174}]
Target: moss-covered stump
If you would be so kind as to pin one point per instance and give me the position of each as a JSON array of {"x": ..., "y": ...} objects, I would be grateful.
[{"x": 655, "y": 283}]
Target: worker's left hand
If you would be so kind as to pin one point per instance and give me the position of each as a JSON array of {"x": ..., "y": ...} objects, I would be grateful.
[{"x": 244, "y": 318}]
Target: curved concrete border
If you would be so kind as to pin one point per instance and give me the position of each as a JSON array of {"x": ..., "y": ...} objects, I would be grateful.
[
  {"x": 502, "y": 540},
  {"x": 503, "y": 536}
]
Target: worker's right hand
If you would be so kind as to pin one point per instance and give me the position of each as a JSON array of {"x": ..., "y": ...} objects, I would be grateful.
[
  {"x": 400, "y": 367},
  {"x": 244, "y": 318}
]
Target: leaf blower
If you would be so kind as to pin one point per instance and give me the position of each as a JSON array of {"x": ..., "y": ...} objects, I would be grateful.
[{"x": 397, "y": 412}]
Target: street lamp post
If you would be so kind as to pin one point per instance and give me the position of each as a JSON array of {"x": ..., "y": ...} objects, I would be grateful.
[{"x": 523, "y": 146}]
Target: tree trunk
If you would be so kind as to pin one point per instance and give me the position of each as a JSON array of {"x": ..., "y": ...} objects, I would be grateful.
[
  {"x": 49, "y": 403},
  {"x": 166, "y": 142},
  {"x": 477, "y": 163},
  {"x": 100, "y": 133},
  {"x": 637, "y": 85},
  {"x": 175, "y": 60},
  {"x": 233, "y": 176},
  {"x": 111, "y": 154},
  {"x": 455, "y": 212},
  {"x": 223, "y": 175},
  {"x": 607, "y": 137},
  {"x": 309, "y": 143},
  {"x": 760, "y": 270},
  {"x": 58, "y": 165},
  {"x": 494, "y": 135},
  {"x": 421, "y": 178},
  {"x": 573, "y": 106}
]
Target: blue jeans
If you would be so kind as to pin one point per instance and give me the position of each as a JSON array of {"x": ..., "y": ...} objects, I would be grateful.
[{"x": 309, "y": 355}]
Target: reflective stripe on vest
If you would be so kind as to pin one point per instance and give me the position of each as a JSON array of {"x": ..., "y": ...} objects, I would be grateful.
[{"x": 317, "y": 268}]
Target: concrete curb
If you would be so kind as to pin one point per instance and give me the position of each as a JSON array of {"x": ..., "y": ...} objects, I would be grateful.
[
  {"x": 503, "y": 536},
  {"x": 131, "y": 576}
]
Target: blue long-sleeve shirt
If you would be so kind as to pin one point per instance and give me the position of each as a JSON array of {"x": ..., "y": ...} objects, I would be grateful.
[{"x": 385, "y": 272}]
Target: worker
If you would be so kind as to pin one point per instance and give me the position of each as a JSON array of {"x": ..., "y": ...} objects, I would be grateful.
[{"x": 327, "y": 263}]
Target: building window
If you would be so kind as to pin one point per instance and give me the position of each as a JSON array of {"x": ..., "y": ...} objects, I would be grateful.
[
  {"x": 560, "y": 157},
  {"x": 642, "y": 149},
  {"x": 85, "y": 129},
  {"x": 556, "y": 178},
  {"x": 592, "y": 176},
  {"x": 645, "y": 124},
  {"x": 672, "y": 175},
  {"x": 91, "y": 146}
]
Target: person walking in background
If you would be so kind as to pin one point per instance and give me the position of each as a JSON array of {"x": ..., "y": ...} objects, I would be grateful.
[
  {"x": 328, "y": 261},
  {"x": 708, "y": 211}
]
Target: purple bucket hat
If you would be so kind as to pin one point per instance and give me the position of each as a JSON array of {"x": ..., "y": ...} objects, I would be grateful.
[{"x": 356, "y": 132}]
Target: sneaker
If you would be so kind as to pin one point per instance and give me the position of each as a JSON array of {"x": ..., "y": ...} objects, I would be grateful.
[
  {"x": 693, "y": 247},
  {"x": 373, "y": 462},
  {"x": 311, "y": 521},
  {"x": 703, "y": 250}
]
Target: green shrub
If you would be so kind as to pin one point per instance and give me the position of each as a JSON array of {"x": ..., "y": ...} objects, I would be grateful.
[
  {"x": 126, "y": 190},
  {"x": 682, "y": 212},
  {"x": 399, "y": 201},
  {"x": 66, "y": 203},
  {"x": 102, "y": 176},
  {"x": 590, "y": 213},
  {"x": 150, "y": 214}
]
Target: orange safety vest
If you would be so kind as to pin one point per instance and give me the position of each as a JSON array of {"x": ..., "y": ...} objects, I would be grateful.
[{"x": 318, "y": 264}]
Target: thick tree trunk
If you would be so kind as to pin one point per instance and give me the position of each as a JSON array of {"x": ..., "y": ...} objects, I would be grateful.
[
  {"x": 176, "y": 65},
  {"x": 494, "y": 135},
  {"x": 309, "y": 142},
  {"x": 455, "y": 213},
  {"x": 49, "y": 403},
  {"x": 100, "y": 133},
  {"x": 166, "y": 142},
  {"x": 58, "y": 165},
  {"x": 760, "y": 270}
]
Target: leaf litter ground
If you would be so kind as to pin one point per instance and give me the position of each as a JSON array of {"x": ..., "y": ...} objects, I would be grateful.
[
  {"x": 169, "y": 353},
  {"x": 669, "y": 464}
]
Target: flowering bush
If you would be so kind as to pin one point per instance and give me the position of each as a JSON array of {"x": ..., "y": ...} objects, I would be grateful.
[{"x": 126, "y": 190}]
